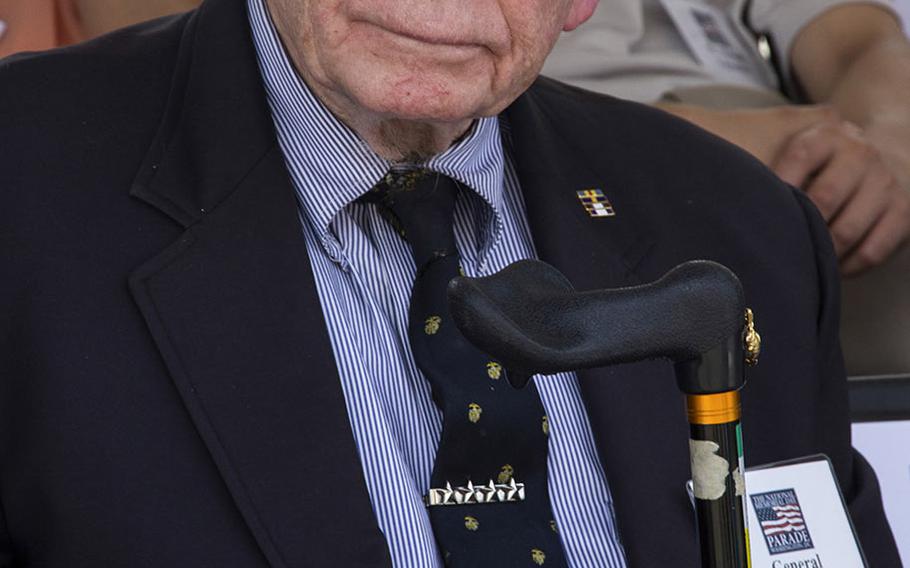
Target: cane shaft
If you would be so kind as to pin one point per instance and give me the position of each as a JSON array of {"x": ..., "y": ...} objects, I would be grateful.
[{"x": 717, "y": 472}]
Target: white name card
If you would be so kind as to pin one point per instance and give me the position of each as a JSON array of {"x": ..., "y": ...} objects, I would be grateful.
[{"x": 797, "y": 517}]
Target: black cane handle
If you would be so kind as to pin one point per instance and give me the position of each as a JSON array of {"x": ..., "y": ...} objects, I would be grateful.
[{"x": 532, "y": 320}]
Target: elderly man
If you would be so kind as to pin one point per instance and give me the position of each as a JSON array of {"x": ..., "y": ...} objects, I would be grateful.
[{"x": 214, "y": 228}]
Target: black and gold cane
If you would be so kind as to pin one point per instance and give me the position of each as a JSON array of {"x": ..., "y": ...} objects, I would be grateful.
[
  {"x": 529, "y": 317},
  {"x": 716, "y": 447}
]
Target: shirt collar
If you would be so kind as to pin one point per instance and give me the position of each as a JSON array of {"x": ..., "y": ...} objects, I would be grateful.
[{"x": 330, "y": 165}]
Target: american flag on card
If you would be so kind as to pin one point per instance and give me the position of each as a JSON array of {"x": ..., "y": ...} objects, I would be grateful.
[
  {"x": 784, "y": 518},
  {"x": 781, "y": 520}
]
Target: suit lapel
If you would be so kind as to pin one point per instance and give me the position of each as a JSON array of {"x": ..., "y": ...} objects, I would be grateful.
[
  {"x": 234, "y": 311},
  {"x": 636, "y": 411}
]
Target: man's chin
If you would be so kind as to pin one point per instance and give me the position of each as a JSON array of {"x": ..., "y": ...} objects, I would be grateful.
[{"x": 430, "y": 106}]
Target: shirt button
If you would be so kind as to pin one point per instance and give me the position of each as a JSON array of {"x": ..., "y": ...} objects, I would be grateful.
[{"x": 336, "y": 253}]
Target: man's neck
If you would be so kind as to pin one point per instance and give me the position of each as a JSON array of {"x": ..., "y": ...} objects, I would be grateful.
[{"x": 396, "y": 139}]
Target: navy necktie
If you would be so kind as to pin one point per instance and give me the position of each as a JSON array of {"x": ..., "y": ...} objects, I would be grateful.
[{"x": 489, "y": 503}]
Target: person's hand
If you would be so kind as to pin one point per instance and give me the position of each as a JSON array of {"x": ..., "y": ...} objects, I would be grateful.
[{"x": 867, "y": 210}]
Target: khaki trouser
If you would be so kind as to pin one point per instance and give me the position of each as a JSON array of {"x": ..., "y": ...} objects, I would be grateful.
[{"x": 875, "y": 325}]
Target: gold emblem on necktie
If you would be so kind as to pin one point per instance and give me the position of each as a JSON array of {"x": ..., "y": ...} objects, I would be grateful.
[
  {"x": 538, "y": 556},
  {"x": 545, "y": 425},
  {"x": 595, "y": 203},
  {"x": 431, "y": 325},
  {"x": 494, "y": 370},
  {"x": 474, "y": 412},
  {"x": 505, "y": 474},
  {"x": 471, "y": 523},
  {"x": 404, "y": 180}
]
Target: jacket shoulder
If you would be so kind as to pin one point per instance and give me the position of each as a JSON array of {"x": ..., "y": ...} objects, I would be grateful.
[
  {"x": 694, "y": 194},
  {"x": 140, "y": 47},
  {"x": 665, "y": 151},
  {"x": 104, "y": 82},
  {"x": 625, "y": 127},
  {"x": 76, "y": 124}
]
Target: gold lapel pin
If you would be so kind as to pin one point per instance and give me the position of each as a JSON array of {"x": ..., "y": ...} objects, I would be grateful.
[{"x": 596, "y": 203}]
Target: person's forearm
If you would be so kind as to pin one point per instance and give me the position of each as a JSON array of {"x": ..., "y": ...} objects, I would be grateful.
[
  {"x": 866, "y": 78},
  {"x": 882, "y": 107},
  {"x": 761, "y": 132}
]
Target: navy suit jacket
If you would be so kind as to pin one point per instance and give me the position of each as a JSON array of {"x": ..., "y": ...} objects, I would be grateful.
[{"x": 168, "y": 394}]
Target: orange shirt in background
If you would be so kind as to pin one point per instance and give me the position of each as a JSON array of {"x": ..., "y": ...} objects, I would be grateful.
[{"x": 30, "y": 25}]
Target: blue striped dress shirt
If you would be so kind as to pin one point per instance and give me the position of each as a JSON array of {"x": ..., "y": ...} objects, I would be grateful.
[{"x": 364, "y": 271}]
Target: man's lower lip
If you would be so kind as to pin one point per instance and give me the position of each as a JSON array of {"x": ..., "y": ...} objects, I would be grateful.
[
  {"x": 434, "y": 42},
  {"x": 424, "y": 40}
]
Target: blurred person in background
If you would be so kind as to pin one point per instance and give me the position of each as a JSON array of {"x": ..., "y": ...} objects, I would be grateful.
[
  {"x": 33, "y": 25},
  {"x": 745, "y": 70}
]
